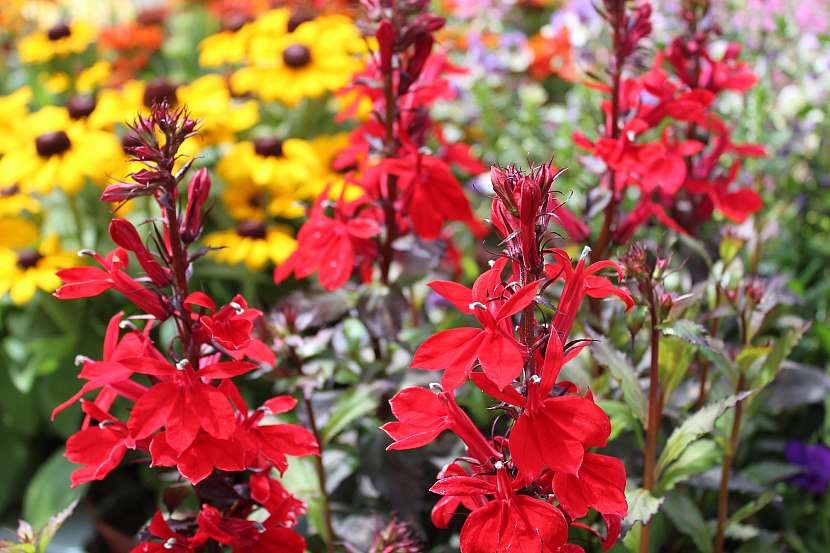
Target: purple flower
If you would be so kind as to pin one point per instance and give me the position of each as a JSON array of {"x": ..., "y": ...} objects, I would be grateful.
[{"x": 814, "y": 462}]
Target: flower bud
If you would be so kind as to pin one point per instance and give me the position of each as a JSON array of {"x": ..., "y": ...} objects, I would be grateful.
[{"x": 198, "y": 190}]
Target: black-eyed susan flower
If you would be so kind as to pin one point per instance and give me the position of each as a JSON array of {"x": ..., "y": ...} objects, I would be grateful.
[
  {"x": 24, "y": 270},
  {"x": 207, "y": 98},
  {"x": 280, "y": 165},
  {"x": 58, "y": 41},
  {"x": 319, "y": 56},
  {"x": 56, "y": 152},
  {"x": 229, "y": 46},
  {"x": 253, "y": 243},
  {"x": 246, "y": 201}
]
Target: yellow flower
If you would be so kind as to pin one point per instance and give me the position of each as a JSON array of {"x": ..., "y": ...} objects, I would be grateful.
[
  {"x": 117, "y": 105},
  {"x": 246, "y": 201},
  {"x": 327, "y": 148},
  {"x": 17, "y": 233},
  {"x": 23, "y": 271},
  {"x": 93, "y": 77},
  {"x": 251, "y": 243},
  {"x": 58, "y": 41},
  {"x": 58, "y": 152},
  {"x": 280, "y": 165},
  {"x": 15, "y": 202},
  {"x": 209, "y": 99},
  {"x": 13, "y": 113},
  {"x": 227, "y": 47},
  {"x": 319, "y": 56}
]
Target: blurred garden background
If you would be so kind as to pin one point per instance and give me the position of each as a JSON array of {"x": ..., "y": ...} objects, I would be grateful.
[{"x": 725, "y": 204}]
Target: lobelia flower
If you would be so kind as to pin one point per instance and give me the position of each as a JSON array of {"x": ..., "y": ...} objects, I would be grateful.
[
  {"x": 455, "y": 350},
  {"x": 331, "y": 246},
  {"x": 184, "y": 410},
  {"x": 508, "y": 481}
]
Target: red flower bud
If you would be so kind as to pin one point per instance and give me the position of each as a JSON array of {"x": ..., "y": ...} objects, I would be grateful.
[
  {"x": 386, "y": 42},
  {"x": 124, "y": 234},
  {"x": 198, "y": 190}
]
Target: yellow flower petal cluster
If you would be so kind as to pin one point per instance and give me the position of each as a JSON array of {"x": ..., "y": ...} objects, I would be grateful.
[
  {"x": 59, "y": 41},
  {"x": 24, "y": 270},
  {"x": 56, "y": 152},
  {"x": 252, "y": 243},
  {"x": 286, "y": 57}
]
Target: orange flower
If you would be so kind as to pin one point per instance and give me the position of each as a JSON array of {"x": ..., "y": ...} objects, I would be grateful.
[{"x": 553, "y": 56}]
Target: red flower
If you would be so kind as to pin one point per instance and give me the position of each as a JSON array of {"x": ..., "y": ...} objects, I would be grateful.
[
  {"x": 445, "y": 507},
  {"x": 600, "y": 484},
  {"x": 99, "y": 448},
  {"x": 507, "y": 523},
  {"x": 330, "y": 246},
  {"x": 456, "y": 350},
  {"x": 423, "y": 415},
  {"x": 581, "y": 281},
  {"x": 87, "y": 282},
  {"x": 172, "y": 542},
  {"x": 555, "y": 433}
]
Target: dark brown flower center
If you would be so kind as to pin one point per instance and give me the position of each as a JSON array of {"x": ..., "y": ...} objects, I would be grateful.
[
  {"x": 9, "y": 190},
  {"x": 52, "y": 143},
  {"x": 28, "y": 258},
  {"x": 236, "y": 21},
  {"x": 296, "y": 56},
  {"x": 159, "y": 90},
  {"x": 151, "y": 16},
  {"x": 268, "y": 146},
  {"x": 251, "y": 229},
  {"x": 59, "y": 31},
  {"x": 256, "y": 200},
  {"x": 80, "y": 106},
  {"x": 297, "y": 19}
]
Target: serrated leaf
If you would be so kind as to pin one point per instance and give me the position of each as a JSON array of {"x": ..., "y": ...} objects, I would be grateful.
[
  {"x": 697, "y": 458},
  {"x": 780, "y": 350},
  {"x": 695, "y": 334},
  {"x": 351, "y": 406},
  {"x": 700, "y": 423},
  {"x": 625, "y": 375},
  {"x": 688, "y": 519},
  {"x": 641, "y": 506}
]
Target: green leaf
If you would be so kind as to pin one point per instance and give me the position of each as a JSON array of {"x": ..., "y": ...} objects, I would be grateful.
[
  {"x": 301, "y": 480},
  {"x": 688, "y": 519},
  {"x": 695, "y": 334},
  {"x": 780, "y": 350},
  {"x": 622, "y": 418},
  {"x": 700, "y": 423},
  {"x": 622, "y": 371},
  {"x": 351, "y": 406},
  {"x": 697, "y": 458},
  {"x": 641, "y": 506},
  {"x": 675, "y": 356},
  {"x": 752, "y": 507},
  {"x": 49, "y": 492}
]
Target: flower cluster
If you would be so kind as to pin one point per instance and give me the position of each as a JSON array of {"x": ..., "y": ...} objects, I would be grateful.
[
  {"x": 398, "y": 158},
  {"x": 679, "y": 172},
  {"x": 184, "y": 409},
  {"x": 509, "y": 481}
]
